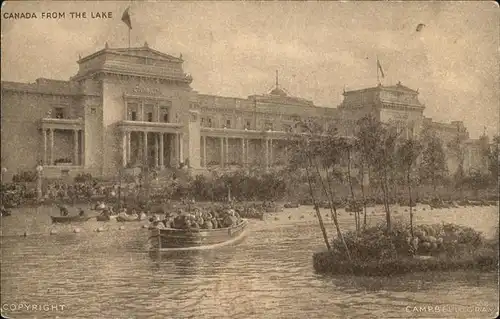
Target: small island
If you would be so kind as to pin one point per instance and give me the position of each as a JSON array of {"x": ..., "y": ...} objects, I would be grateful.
[{"x": 437, "y": 247}]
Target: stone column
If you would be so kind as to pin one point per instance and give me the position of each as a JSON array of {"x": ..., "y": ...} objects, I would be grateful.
[
  {"x": 157, "y": 149},
  {"x": 271, "y": 153},
  {"x": 267, "y": 152},
  {"x": 243, "y": 162},
  {"x": 141, "y": 117},
  {"x": 181, "y": 154},
  {"x": 75, "y": 148},
  {"x": 204, "y": 151},
  {"x": 44, "y": 147},
  {"x": 82, "y": 148},
  {"x": 162, "y": 151},
  {"x": 227, "y": 150},
  {"x": 145, "y": 148},
  {"x": 124, "y": 149},
  {"x": 247, "y": 157},
  {"x": 129, "y": 146},
  {"x": 221, "y": 152},
  {"x": 51, "y": 146},
  {"x": 173, "y": 144}
]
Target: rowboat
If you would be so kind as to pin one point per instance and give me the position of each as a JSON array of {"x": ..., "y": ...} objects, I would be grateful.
[
  {"x": 104, "y": 218},
  {"x": 170, "y": 239},
  {"x": 131, "y": 218},
  {"x": 70, "y": 219},
  {"x": 124, "y": 218}
]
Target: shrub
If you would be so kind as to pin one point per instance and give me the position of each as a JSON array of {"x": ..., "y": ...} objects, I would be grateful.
[
  {"x": 25, "y": 177},
  {"x": 448, "y": 240},
  {"x": 83, "y": 178},
  {"x": 62, "y": 160}
]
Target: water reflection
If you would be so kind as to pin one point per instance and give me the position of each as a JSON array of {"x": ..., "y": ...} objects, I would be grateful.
[{"x": 110, "y": 274}]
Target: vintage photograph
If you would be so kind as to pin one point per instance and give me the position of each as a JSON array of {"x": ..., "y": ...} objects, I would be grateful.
[{"x": 247, "y": 159}]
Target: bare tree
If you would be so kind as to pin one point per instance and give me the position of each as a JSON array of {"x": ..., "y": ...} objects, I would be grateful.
[
  {"x": 433, "y": 165},
  {"x": 408, "y": 151},
  {"x": 457, "y": 148},
  {"x": 377, "y": 145},
  {"x": 318, "y": 152}
]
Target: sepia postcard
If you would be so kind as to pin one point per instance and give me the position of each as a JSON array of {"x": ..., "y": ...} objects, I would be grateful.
[{"x": 249, "y": 159}]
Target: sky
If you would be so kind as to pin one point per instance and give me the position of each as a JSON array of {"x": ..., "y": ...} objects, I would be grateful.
[{"x": 319, "y": 48}]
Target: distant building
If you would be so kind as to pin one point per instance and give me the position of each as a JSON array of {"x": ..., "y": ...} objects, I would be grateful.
[{"x": 135, "y": 107}]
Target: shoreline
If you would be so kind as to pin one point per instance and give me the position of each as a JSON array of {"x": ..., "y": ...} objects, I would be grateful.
[{"x": 324, "y": 263}]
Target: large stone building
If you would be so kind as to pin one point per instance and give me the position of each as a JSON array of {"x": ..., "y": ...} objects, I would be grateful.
[{"x": 135, "y": 106}]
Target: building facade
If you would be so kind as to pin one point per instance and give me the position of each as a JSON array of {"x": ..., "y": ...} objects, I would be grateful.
[{"x": 135, "y": 107}]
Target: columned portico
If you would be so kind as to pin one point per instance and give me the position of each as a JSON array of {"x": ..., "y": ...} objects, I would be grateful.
[
  {"x": 145, "y": 143},
  {"x": 67, "y": 132}
]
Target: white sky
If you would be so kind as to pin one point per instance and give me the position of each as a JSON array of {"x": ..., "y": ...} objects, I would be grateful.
[{"x": 233, "y": 49}]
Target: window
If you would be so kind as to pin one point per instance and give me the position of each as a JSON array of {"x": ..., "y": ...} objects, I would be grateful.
[
  {"x": 150, "y": 116},
  {"x": 59, "y": 113},
  {"x": 268, "y": 126},
  {"x": 228, "y": 123},
  {"x": 93, "y": 110},
  {"x": 165, "y": 117},
  {"x": 133, "y": 116},
  {"x": 248, "y": 124},
  {"x": 287, "y": 128},
  {"x": 209, "y": 122}
]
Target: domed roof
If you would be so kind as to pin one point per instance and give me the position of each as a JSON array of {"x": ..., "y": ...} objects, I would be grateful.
[{"x": 278, "y": 91}]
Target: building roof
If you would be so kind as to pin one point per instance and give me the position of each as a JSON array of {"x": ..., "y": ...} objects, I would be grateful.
[
  {"x": 278, "y": 91},
  {"x": 398, "y": 87},
  {"x": 144, "y": 51},
  {"x": 42, "y": 85}
]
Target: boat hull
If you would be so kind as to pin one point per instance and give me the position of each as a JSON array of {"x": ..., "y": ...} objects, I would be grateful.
[
  {"x": 70, "y": 219},
  {"x": 193, "y": 239},
  {"x": 123, "y": 219},
  {"x": 101, "y": 218}
]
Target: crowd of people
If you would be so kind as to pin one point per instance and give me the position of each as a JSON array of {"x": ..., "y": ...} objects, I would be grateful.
[
  {"x": 209, "y": 218},
  {"x": 16, "y": 194}
]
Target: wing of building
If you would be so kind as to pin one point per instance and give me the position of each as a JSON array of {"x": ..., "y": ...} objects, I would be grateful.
[{"x": 135, "y": 107}]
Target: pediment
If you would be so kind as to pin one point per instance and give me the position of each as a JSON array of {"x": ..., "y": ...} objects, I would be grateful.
[{"x": 146, "y": 52}]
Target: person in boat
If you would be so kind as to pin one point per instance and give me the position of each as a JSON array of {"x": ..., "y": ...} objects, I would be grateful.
[
  {"x": 142, "y": 216},
  {"x": 105, "y": 213},
  {"x": 63, "y": 210},
  {"x": 4, "y": 211}
]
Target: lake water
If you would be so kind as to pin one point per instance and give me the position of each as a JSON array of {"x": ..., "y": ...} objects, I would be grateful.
[{"x": 269, "y": 275}]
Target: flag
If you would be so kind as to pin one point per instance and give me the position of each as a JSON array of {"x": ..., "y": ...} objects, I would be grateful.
[
  {"x": 126, "y": 18},
  {"x": 380, "y": 68}
]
